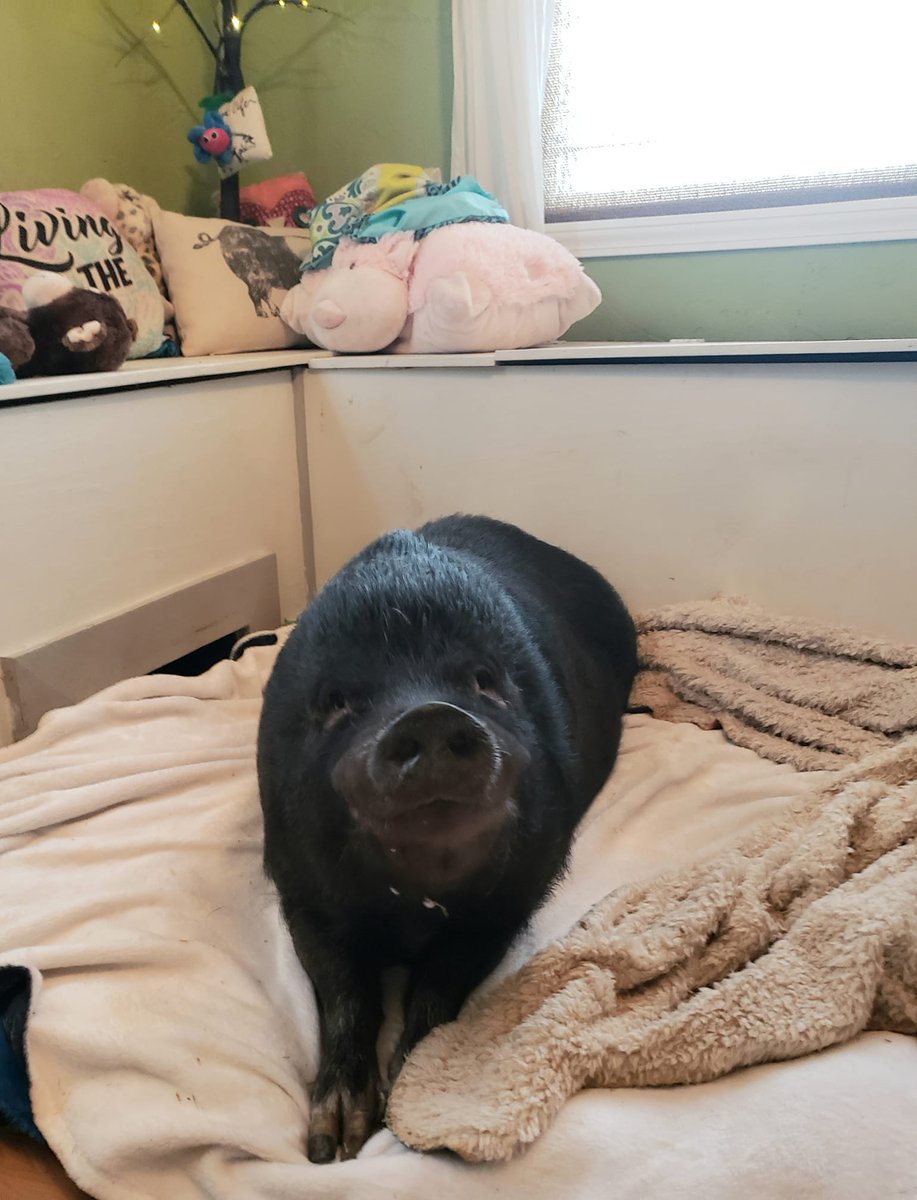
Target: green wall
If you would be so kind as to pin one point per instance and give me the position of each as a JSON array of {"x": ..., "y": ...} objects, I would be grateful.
[
  {"x": 97, "y": 93},
  {"x": 853, "y": 291},
  {"x": 92, "y": 98}
]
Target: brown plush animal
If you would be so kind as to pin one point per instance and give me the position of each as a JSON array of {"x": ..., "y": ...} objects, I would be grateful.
[
  {"x": 73, "y": 329},
  {"x": 15, "y": 340}
]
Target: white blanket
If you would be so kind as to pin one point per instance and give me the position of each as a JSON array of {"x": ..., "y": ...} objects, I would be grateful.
[{"x": 173, "y": 1035}]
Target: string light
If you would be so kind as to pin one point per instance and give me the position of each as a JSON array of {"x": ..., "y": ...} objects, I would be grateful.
[{"x": 236, "y": 22}]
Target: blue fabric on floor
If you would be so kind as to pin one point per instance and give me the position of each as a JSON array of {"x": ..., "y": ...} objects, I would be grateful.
[{"x": 15, "y": 1105}]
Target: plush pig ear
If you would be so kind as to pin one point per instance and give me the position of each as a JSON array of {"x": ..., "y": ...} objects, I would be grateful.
[
  {"x": 400, "y": 249},
  {"x": 393, "y": 253}
]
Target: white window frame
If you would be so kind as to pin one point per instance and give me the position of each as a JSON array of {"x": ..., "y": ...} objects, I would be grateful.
[
  {"x": 886, "y": 219},
  {"x": 499, "y": 66}
]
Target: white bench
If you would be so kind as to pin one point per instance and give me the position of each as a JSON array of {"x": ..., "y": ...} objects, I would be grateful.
[{"x": 150, "y": 511}]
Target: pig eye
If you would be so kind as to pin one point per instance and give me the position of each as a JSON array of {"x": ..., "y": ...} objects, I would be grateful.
[
  {"x": 332, "y": 707},
  {"x": 484, "y": 679},
  {"x": 485, "y": 684}
]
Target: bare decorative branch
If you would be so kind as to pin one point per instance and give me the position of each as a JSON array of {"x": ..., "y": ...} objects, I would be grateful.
[
  {"x": 256, "y": 8},
  {"x": 186, "y": 9},
  {"x": 226, "y": 48},
  {"x": 262, "y": 4}
]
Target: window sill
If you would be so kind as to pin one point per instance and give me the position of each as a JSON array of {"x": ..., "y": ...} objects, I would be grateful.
[{"x": 881, "y": 220}]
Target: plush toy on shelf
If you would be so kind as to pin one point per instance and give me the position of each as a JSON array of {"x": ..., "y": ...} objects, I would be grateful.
[
  {"x": 16, "y": 345},
  {"x": 132, "y": 215},
  {"x": 212, "y": 140},
  {"x": 405, "y": 263},
  {"x": 232, "y": 133},
  {"x": 465, "y": 287},
  {"x": 65, "y": 330}
]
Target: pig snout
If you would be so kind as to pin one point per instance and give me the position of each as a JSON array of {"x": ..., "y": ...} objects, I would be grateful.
[
  {"x": 431, "y": 782},
  {"x": 431, "y": 751}
]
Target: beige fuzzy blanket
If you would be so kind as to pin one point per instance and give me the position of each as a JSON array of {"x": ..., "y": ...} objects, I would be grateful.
[
  {"x": 792, "y": 690},
  {"x": 802, "y": 936}
]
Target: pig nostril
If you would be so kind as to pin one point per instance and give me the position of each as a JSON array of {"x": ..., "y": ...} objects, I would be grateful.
[
  {"x": 429, "y": 740},
  {"x": 403, "y": 750},
  {"x": 464, "y": 743}
]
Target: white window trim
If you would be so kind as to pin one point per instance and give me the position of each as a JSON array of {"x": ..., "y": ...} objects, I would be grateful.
[{"x": 879, "y": 220}]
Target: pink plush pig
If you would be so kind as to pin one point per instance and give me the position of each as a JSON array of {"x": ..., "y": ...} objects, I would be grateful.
[{"x": 462, "y": 287}]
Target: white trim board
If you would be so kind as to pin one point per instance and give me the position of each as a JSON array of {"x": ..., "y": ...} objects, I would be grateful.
[
  {"x": 879, "y": 220},
  {"x": 147, "y": 371},
  {"x": 573, "y": 352},
  {"x": 364, "y": 362},
  {"x": 135, "y": 641}
]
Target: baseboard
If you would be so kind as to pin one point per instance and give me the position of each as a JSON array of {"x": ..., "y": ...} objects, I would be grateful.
[{"x": 133, "y": 642}]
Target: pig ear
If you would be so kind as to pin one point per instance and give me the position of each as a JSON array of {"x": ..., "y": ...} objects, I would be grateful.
[{"x": 400, "y": 249}]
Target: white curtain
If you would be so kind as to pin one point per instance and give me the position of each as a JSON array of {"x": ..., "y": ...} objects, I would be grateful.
[{"x": 500, "y": 56}]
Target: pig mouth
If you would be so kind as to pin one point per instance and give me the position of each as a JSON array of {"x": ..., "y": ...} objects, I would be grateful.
[
  {"x": 430, "y": 821},
  {"x": 439, "y": 845}
]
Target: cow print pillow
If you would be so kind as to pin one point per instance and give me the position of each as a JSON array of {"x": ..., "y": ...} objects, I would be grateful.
[{"x": 227, "y": 282}]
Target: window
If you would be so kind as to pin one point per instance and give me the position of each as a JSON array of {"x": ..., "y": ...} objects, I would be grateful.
[{"x": 717, "y": 124}]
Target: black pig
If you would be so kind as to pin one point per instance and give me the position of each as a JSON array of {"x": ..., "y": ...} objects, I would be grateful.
[{"x": 434, "y": 728}]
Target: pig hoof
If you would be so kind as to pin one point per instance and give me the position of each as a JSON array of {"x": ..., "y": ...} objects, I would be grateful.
[{"x": 342, "y": 1120}]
